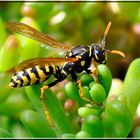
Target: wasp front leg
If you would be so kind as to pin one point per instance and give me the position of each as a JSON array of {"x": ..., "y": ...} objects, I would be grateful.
[
  {"x": 94, "y": 71},
  {"x": 82, "y": 94}
]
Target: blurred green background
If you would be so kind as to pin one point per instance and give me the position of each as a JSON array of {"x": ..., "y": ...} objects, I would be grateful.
[{"x": 76, "y": 23}]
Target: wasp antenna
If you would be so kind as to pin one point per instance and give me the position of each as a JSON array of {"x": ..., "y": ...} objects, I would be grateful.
[
  {"x": 105, "y": 33},
  {"x": 116, "y": 52},
  {"x": 107, "y": 28}
]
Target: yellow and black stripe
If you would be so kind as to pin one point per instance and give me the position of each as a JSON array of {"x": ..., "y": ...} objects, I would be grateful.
[{"x": 33, "y": 75}]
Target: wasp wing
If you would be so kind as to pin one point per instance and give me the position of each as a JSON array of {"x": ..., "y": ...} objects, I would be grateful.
[
  {"x": 32, "y": 33},
  {"x": 41, "y": 62}
]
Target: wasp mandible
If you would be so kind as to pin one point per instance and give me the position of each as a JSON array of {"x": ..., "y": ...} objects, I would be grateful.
[{"x": 77, "y": 59}]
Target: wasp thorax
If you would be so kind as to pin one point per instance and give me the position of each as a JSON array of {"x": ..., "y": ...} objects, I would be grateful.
[{"x": 99, "y": 54}]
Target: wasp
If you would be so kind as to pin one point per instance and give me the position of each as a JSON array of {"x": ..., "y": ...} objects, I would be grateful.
[{"x": 77, "y": 59}]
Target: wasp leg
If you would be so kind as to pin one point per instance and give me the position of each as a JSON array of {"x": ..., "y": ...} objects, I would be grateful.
[
  {"x": 74, "y": 76},
  {"x": 82, "y": 94},
  {"x": 94, "y": 71},
  {"x": 43, "y": 89}
]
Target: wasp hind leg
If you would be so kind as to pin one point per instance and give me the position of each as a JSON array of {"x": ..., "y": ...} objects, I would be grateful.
[
  {"x": 43, "y": 89},
  {"x": 82, "y": 94}
]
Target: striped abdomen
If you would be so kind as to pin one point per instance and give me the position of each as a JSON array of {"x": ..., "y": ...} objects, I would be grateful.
[{"x": 33, "y": 75}]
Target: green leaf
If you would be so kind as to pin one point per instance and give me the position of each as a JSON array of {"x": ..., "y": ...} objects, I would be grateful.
[
  {"x": 9, "y": 53},
  {"x": 72, "y": 91},
  {"x": 4, "y": 91},
  {"x": 5, "y": 134},
  {"x": 105, "y": 77},
  {"x": 85, "y": 79},
  {"x": 82, "y": 134},
  {"x": 131, "y": 86},
  {"x": 3, "y": 33},
  {"x": 117, "y": 119},
  {"x": 85, "y": 111},
  {"x": 36, "y": 125},
  {"x": 93, "y": 126},
  {"x": 97, "y": 93},
  {"x": 62, "y": 125},
  {"x": 14, "y": 104}
]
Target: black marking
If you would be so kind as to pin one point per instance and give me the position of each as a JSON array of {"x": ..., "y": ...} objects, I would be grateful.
[
  {"x": 44, "y": 70},
  {"x": 14, "y": 82},
  {"x": 74, "y": 76},
  {"x": 34, "y": 70},
  {"x": 51, "y": 69},
  {"x": 20, "y": 79},
  {"x": 26, "y": 74}
]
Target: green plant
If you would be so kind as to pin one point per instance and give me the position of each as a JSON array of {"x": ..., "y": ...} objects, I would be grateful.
[{"x": 112, "y": 119}]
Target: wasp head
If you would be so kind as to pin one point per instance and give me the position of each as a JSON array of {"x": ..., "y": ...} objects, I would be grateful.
[{"x": 99, "y": 53}]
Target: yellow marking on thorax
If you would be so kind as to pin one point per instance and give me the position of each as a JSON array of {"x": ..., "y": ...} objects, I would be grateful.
[
  {"x": 90, "y": 51},
  {"x": 83, "y": 49},
  {"x": 82, "y": 63},
  {"x": 78, "y": 57},
  {"x": 70, "y": 68},
  {"x": 83, "y": 52},
  {"x": 96, "y": 56}
]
